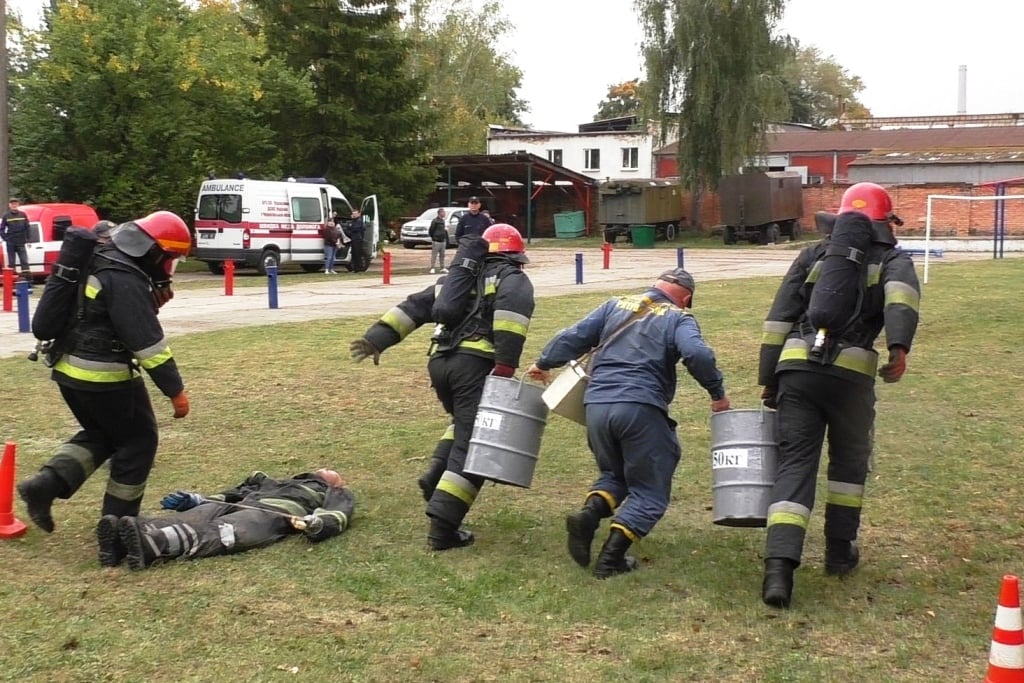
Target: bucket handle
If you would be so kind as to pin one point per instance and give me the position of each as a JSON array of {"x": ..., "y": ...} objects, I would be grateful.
[{"x": 519, "y": 388}]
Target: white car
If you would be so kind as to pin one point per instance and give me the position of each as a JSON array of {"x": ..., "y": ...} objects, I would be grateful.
[{"x": 417, "y": 231}]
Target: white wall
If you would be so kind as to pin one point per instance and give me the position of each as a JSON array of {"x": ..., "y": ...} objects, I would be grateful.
[{"x": 573, "y": 146}]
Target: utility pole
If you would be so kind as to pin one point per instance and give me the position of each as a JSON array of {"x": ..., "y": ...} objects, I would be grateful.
[{"x": 5, "y": 109}]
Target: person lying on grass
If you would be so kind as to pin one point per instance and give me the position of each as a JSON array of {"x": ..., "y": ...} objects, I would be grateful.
[{"x": 256, "y": 513}]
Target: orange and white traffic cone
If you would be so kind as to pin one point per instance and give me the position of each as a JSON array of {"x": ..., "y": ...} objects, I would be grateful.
[
  {"x": 10, "y": 526},
  {"x": 1006, "y": 657}
]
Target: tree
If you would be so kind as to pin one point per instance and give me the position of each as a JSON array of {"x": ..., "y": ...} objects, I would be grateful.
[
  {"x": 819, "y": 89},
  {"x": 127, "y": 104},
  {"x": 715, "y": 63},
  {"x": 467, "y": 79},
  {"x": 623, "y": 99},
  {"x": 366, "y": 125}
]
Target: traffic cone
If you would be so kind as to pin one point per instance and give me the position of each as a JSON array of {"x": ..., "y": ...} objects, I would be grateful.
[
  {"x": 1006, "y": 657},
  {"x": 10, "y": 527}
]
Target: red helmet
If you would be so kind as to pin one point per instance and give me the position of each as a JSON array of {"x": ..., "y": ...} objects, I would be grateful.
[
  {"x": 162, "y": 229},
  {"x": 502, "y": 238},
  {"x": 869, "y": 199},
  {"x": 169, "y": 231}
]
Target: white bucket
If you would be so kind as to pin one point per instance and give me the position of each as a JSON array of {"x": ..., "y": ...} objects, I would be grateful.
[
  {"x": 506, "y": 436},
  {"x": 564, "y": 396},
  {"x": 744, "y": 454}
]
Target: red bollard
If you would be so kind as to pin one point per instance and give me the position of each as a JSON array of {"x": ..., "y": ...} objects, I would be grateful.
[
  {"x": 387, "y": 267},
  {"x": 8, "y": 279},
  {"x": 607, "y": 249},
  {"x": 10, "y": 526},
  {"x": 229, "y": 278}
]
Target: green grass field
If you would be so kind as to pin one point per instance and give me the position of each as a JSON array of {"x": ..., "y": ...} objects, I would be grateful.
[{"x": 941, "y": 526}]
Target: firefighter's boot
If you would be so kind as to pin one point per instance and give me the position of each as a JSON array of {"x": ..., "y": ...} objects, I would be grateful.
[
  {"x": 108, "y": 538},
  {"x": 582, "y": 525},
  {"x": 445, "y": 536},
  {"x": 141, "y": 548},
  {"x": 428, "y": 480},
  {"x": 38, "y": 492},
  {"x": 613, "y": 558},
  {"x": 841, "y": 556},
  {"x": 777, "y": 588}
]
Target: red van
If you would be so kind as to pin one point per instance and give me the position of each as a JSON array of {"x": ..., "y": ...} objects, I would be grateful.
[{"x": 47, "y": 223}]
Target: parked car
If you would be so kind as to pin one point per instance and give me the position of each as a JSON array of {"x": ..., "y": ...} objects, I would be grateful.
[{"x": 417, "y": 231}]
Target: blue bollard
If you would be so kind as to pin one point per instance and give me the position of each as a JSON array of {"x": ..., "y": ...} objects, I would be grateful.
[
  {"x": 272, "y": 285},
  {"x": 579, "y": 268},
  {"x": 21, "y": 291},
  {"x": 679, "y": 258}
]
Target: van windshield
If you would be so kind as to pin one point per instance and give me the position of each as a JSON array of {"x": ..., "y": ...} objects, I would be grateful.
[{"x": 220, "y": 207}]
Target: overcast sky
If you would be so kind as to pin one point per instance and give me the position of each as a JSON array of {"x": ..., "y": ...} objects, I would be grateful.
[{"x": 907, "y": 52}]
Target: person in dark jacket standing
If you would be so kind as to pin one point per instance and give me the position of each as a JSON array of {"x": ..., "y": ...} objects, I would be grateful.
[
  {"x": 258, "y": 512},
  {"x": 832, "y": 392},
  {"x": 438, "y": 241},
  {"x": 489, "y": 342},
  {"x": 640, "y": 341},
  {"x": 357, "y": 232},
  {"x": 99, "y": 371},
  {"x": 14, "y": 228},
  {"x": 472, "y": 223}
]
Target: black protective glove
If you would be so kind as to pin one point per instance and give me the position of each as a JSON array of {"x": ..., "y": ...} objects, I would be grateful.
[
  {"x": 769, "y": 396},
  {"x": 361, "y": 349}
]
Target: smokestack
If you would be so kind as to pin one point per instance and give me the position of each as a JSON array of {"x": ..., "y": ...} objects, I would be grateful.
[{"x": 961, "y": 93}]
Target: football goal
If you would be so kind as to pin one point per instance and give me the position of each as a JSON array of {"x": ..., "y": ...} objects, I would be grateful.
[{"x": 998, "y": 226}]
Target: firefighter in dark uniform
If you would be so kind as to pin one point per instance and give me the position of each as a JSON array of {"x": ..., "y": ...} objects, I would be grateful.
[
  {"x": 14, "y": 231},
  {"x": 256, "y": 513},
  {"x": 99, "y": 370},
  {"x": 832, "y": 392},
  {"x": 490, "y": 343}
]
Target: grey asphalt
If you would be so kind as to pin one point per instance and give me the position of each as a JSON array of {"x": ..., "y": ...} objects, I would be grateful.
[{"x": 552, "y": 271}]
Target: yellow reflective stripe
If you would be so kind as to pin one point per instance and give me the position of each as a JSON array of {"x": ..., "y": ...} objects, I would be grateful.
[
  {"x": 510, "y": 326},
  {"x": 80, "y": 454},
  {"x": 874, "y": 274},
  {"x": 125, "y": 491},
  {"x": 397, "y": 320},
  {"x": 337, "y": 514},
  {"x": 852, "y": 358},
  {"x": 155, "y": 360},
  {"x": 902, "y": 293},
  {"x": 318, "y": 497},
  {"x": 775, "y": 331},
  {"x": 625, "y": 530},
  {"x": 93, "y": 371},
  {"x": 479, "y": 345},
  {"x": 449, "y": 433},
  {"x": 787, "y": 518},
  {"x": 289, "y": 506},
  {"x": 608, "y": 498},
  {"x": 815, "y": 273},
  {"x": 92, "y": 287},
  {"x": 454, "y": 489},
  {"x": 844, "y": 499}
]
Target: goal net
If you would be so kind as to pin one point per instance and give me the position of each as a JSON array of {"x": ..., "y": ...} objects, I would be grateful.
[{"x": 998, "y": 218}]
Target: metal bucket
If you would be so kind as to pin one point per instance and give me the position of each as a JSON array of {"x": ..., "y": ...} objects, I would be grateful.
[
  {"x": 506, "y": 434},
  {"x": 744, "y": 454}
]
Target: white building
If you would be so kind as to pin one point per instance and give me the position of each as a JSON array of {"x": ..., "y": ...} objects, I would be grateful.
[{"x": 601, "y": 150}]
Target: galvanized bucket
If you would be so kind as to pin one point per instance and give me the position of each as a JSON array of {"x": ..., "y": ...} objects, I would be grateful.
[
  {"x": 744, "y": 455},
  {"x": 506, "y": 436}
]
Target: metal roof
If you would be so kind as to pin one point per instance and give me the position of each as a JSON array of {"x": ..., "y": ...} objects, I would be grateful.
[
  {"x": 988, "y": 155},
  {"x": 483, "y": 170}
]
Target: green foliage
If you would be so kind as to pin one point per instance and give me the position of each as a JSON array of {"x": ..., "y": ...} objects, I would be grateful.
[
  {"x": 819, "y": 89},
  {"x": 716, "y": 64},
  {"x": 468, "y": 80},
  {"x": 365, "y": 128},
  {"x": 623, "y": 99},
  {"x": 127, "y": 104}
]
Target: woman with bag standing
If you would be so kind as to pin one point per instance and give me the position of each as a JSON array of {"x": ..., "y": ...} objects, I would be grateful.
[
  {"x": 330, "y": 234},
  {"x": 632, "y": 381}
]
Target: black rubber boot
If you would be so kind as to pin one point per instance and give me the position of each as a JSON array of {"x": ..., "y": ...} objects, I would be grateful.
[
  {"x": 613, "y": 559},
  {"x": 582, "y": 525},
  {"x": 428, "y": 480},
  {"x": 38, "y": 492},
  {"x": 444, "y": 536},
  {"x": 108, "y": 537},
  {"x": 140, "y": 550},
  {"x": 777, "y": 589},
  {"x": 841, "y": 557}
]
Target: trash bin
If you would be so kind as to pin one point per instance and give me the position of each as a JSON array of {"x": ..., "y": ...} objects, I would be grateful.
[
  {"x": 569, "y": 224},
  {"x": 643, "y": 236}
]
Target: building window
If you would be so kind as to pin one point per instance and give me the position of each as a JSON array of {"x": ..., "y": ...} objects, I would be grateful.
[
  {"x": 591, "y": 160},
  {"x": 555, "y": 156},
  {"x": 630, "y": 158}
]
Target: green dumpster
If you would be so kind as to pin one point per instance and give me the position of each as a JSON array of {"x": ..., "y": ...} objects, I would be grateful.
[{"x": 643, "y": 236}]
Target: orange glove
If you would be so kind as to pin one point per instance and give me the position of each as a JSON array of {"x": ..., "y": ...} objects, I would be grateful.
[
  {"x": 180, "y": 403},
  {"x": 897, "y": 365},
  {"x": 719, "y": 405}
]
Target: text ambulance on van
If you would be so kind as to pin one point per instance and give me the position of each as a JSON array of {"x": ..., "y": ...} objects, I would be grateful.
[
  {"x": 263, "y": 223},
  {"x": 47, "y": 224}
]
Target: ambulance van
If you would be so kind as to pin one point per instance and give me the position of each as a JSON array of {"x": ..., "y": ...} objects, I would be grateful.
[
  {"x": 264, "y": 223},
  {"x": 47, "y": 224}
]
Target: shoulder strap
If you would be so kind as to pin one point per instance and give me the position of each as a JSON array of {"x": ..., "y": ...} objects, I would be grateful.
[{"x": 645, "y": 308}]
